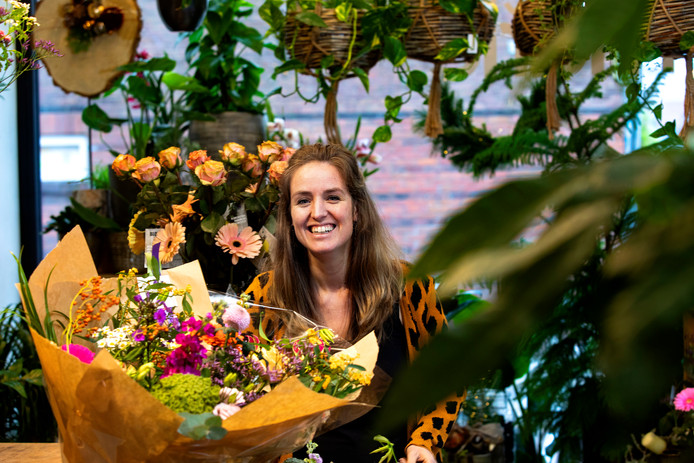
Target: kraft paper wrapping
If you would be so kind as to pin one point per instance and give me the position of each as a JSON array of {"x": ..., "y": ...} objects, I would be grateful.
[{"x": 105, "y": 416}]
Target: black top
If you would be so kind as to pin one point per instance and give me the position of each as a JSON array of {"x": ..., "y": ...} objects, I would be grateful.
[{"x": 353, "y": 442}]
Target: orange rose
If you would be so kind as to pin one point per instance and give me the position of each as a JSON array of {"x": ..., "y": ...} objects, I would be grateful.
[
  {"x": 170, "y": 157},
  {"x": 269, "y": 151},
  {"x": 211, "y": 173},
  {"x": 253, "y": 166},
  {"x": 276, "y": 170},
  {"x": 146, "y": 169},
  {"x": 196, "y": 158},
  {"x": 123, "y": 164},
  {"x": 233, "y": 153}
]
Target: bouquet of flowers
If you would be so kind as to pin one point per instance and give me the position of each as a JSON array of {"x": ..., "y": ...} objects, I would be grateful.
[
  {"x": 175, "y": 377},
  {"x": 212, "y": 210}
]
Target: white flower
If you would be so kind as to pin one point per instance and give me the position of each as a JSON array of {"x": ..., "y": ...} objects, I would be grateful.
[
  {"x": 276, "y": 126},
  {"x": 224, "y": 411}
]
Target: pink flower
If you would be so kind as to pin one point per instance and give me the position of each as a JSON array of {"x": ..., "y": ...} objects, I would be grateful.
[
  {"x": 211, "y": 173},
  {"x": 684, "y": 401},
  {"x": 246, "y": 244},
  {"x": 81, "y": 352},
  {"x": 253, "y": 166},
  {"x": 170, "y": 157},
  {"x": 196, "y": 158},
  {"x": 224, "y": 411},
  {"x": 287, "y": 154},
  {"x": 236, "y": 317},
  {"x": 147, "y": 169}
]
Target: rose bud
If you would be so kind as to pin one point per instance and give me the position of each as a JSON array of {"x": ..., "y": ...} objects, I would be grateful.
[
  {"x": 146, "y": 169},
  {"x": 269, "y": 151},
  {"x": 233, "y": 153},
  {"x": 123, "y": 164},
  {"x": 196, "y": 158},
  {"x": 170, "y": 157},
  {"x": 211, "y": 173}
]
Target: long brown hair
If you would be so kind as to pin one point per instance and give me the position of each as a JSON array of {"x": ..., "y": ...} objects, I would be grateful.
[{"x": 374, "y": 271}]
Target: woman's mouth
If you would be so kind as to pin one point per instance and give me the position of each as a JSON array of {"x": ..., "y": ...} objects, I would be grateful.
[{"x": 321, "y": 229}]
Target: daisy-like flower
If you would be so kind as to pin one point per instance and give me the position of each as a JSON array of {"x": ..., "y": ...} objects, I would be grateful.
[
  {"x": 171, "y": 237},
  {"x": 136, "y": 238},
  {"x": 246, "y": 244},
  {"x": 684, "y": 400}
]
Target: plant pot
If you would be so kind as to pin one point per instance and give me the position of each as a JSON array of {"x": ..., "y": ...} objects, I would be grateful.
[
  {"x": 123, "y": 194},
  {"x": 246, "y": 129},
  {"x": 118, "y": 255},
  {"x": 180, "y": 19}
]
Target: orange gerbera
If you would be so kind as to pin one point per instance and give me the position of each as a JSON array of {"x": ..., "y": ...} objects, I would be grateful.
[
  {"x": 171, "y": 237},
  {"x": 246, "y": 244}
]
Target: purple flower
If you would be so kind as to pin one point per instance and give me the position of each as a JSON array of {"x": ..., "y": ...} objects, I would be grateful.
[
  {"x": 137, "y": 298},
  {"x": 160, "y": 316},
  {"x": 209, "y": 329},
  {"x": 192, "y": 324},
  {"x": 138, "y": 336},
  {"x": 315, "y": 458}
]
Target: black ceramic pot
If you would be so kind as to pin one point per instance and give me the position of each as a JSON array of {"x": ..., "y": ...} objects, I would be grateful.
[{"x": 179, "y": 19}]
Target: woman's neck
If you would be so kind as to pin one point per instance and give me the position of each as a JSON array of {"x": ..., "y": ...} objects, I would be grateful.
[{"x": 331, "y": 295}]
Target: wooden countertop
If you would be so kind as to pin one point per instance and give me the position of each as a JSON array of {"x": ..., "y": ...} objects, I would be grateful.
[{"x": 30, "y": 452}]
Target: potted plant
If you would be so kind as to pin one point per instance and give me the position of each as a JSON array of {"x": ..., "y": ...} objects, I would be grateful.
[
  {"x": 340, "y": 39},
  {"x": 233, "y": 105}
]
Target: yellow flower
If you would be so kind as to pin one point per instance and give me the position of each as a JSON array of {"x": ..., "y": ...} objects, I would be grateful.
[{"x": 136, "y": 238}]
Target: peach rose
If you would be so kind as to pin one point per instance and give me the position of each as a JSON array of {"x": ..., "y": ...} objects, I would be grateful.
[
  {"x": 170, "y": 157},
  {"x": 196, "y": 158},
  {"x": 233, "y": 153},
  {"x": 287, "y": 154},
  {"x": 123, "y": 164},
  {"x": 276, "y": 170},
  {"x": 211, "y": 173},
  {"x": 146, "y": 169},
  {"x": 253, "y": 166},
  {"x": 269, "y": 151}
]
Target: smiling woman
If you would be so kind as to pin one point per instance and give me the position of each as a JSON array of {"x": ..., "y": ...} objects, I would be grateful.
[{"x": 335, "y": 263}]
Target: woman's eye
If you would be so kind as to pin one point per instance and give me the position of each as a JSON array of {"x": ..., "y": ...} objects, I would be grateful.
[
  {"x": 301, "y": 201},
  {"x": 333, "y": 198}
]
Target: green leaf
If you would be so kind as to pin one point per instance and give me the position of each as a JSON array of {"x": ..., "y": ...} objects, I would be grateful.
[
  {"x": 154, "y": 64},
  {"x": 363, "y": 77},
  {"x": 176, "y": 81},
  {"x": 291, "y": 65},
  {"x": 343, "y": 12},
  {"x": 212, "y": 223},
  {"x": 201, "y": 426},
  {"x": 452, "y": 49},
  {"x": 94, "y": 218},
  {"x": 667, "y": 130},
  {"x": 459, "y": 6},
  {"x": 96, "y": 118},
  {"x": 687, "y": 41},
  {"x": 311, "y": 18},
  {"x": 394, "y": 51},
  {"x": 382, "y": 134},
  {"x": 416, "y": 80},
  {"x": 658, "y": 111},
  {"x": 455, "y": 74}
]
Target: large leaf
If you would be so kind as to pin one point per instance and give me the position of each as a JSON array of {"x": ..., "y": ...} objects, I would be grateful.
[{"x": 94, "y": 218}]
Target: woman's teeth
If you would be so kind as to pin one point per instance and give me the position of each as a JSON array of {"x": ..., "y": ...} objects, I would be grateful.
[{"x": 322, "y": 229}]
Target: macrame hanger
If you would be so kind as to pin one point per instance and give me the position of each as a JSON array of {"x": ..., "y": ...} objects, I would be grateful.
[
  {"x": 332, "y": 130},
  {"x": 433, "y": 126},
  {"x": 553, "y": 120}
]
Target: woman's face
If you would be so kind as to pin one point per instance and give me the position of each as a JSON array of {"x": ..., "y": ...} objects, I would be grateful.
[{"x": 322, "y": 210}]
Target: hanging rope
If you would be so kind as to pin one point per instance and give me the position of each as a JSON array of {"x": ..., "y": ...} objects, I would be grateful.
[
  {"x": 688, "y": 97},
  {"x": 332, "y": 130},
  {"x": 553, "y": 120},
  {"x": 433, "y": 127}
]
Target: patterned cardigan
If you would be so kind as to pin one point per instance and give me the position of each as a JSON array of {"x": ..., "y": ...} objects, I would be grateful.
[{"x": 422, "y": 317}]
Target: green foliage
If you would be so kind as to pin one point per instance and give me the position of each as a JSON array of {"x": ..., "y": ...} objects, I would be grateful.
[
  {"x": 215, "y": 55},
  {"x": 25, "y": 414},
  {"x": 153, "y": 96},
  {"x": 201, "y": 426},
  {"x": 187, "y": 393}
]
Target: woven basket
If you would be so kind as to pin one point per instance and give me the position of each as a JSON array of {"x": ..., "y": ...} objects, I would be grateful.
[
  {"x": 667, "y": 21},
  {"x": 433, "y": 27},
  {"x": 312, "y": 44},
  {"x": 534, "y": 23}
]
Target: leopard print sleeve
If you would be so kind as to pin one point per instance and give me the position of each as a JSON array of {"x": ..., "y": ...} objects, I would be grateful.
[
  {"x": 258, "y": 291},
  {"x": 423, "y": 317}
]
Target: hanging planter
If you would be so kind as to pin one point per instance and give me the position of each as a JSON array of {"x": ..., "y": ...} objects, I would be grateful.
[
  {"x": 330, "y": 53},
  {"x": 668, "y": 21},
  {"x": 435, "y": 30},
  {"x": 182, "y": 15},
  {"x": 534, "y": 23}
]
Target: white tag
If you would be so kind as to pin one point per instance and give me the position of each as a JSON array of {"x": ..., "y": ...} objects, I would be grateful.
[
  {"x": 472, "y": 44},
  {"x": 240, "y": 218}
]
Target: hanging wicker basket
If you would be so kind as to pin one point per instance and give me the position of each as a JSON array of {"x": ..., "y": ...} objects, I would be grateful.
[
  {"x": 667, "y": 22},
  {"x": 433, "y": 27},
  {"x": 310, "y": 44},
  {"x": 536, "y": 21}
]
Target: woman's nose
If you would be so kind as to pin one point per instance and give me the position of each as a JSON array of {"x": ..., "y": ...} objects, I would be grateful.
[{"x": 318, "y": 209}]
